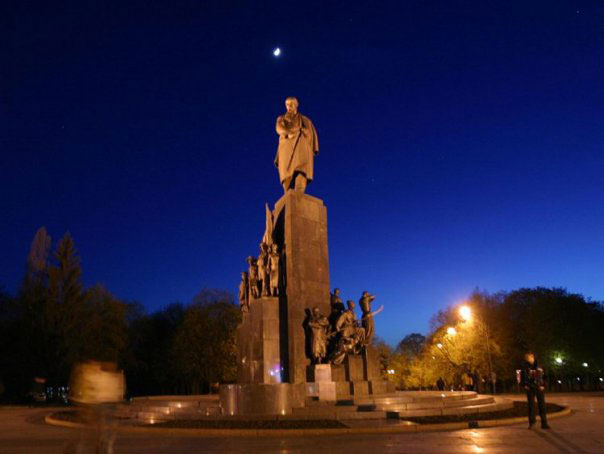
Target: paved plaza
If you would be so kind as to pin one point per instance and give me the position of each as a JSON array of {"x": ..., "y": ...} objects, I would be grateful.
[{"x": 22, "y": 430}]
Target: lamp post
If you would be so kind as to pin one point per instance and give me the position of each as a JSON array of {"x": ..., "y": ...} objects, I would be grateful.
[{"x": 465, "y": 312}]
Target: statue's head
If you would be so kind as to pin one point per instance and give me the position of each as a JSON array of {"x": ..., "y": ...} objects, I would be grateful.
[
  {"x": 315, "y": 312},
  {"x": 243, "y": 275},
  {"x": 350, "y": 305},
  {"x": 275, "y": 247},
  {"x": 530, "y": 358},
  {"x": 365, "y": 294},
  {"x": 291, "y": 104},
  {"x": 336, "y": 291}
]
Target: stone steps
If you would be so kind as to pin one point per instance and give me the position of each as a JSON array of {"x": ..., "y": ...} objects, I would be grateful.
[
  {"x": 162, "y": 408},
  {"x": 399, "y": 405},
  {"x": 396, "y": 406}
]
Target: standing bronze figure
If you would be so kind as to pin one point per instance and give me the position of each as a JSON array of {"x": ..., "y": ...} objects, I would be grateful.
[
  {"x": 319, "y": 326},
  {"x": 367, "y": 319},
  {"x": 298, "y": 144},
  {"x": 263, "y": 269},
  {"x": 253, "y": 277},
  {"x": 244, "y": 302},
  {"x": 273, "y": 265}
]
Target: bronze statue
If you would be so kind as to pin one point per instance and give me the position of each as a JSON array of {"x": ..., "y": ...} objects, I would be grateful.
[
  {"x": 263, "y": 269},
  {"x": 351, "y": 336},
  {"x": 367, "y": 319},
  {"x": 267, "y": 238},
  {"x": 337, "y": 305},
  {"x": 319, "y": 326},
  {"x": 273, "y": 265},
  {"x": 244, "y": 302},
  {"x": 298, "y": 144},
  {"x": 253, "y": 277}
]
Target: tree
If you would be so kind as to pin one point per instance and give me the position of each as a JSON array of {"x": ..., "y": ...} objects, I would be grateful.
[
  {"x": 64, "y": 314},
  {"x": 204, "y": 350},
  {"x": 104, "y": 325},
  {"x": 412, "y": 345}
]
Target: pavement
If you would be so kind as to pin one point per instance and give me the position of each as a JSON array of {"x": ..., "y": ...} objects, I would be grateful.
[{"x": 23, "y": 430}]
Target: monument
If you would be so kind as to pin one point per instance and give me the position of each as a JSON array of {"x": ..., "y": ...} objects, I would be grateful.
[{"x": 296, "y": 340}]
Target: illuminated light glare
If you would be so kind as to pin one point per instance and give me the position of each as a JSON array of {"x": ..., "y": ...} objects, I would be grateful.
[
  {"x": 560, "y": 381},
  {"x": 578, "y": 378},
  {"x": 585, "y": 365},
  {"x": 451, "y": 331},
  {"x": 439, "y": 345},
  {"x": 465, "y": 312},
  {"x": 277, "y": 52},
  {"x": 601, "y": 379},
  {"x": 558, "y": 360}
]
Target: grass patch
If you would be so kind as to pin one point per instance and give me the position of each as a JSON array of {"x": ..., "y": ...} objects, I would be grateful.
[
  {"x": 520, "y": 409},
  {"x": 251, "y": 424}
]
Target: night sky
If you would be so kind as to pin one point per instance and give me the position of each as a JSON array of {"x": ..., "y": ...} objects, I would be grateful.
[{"x": 461, "y": 143}]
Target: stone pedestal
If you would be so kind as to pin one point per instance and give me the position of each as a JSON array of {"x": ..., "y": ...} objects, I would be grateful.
[
  {"x": 301, "y": 231},
  {"x": 326, "y": 388},
  {"x": 258, "y": 343},
  {"x": 360, "y": 375},
  {"x": 261, "y": 399}
]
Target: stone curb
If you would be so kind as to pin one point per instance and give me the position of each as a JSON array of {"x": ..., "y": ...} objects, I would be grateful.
[{"x": 414, "y": 428}]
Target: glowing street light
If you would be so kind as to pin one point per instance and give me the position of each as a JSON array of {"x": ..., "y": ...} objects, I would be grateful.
[
  {"x": 451, "y": 331},
  {"x": 558, "y": 360},
  {"x": 585, "y": 365},
  {"x": 465, "y": 313}
]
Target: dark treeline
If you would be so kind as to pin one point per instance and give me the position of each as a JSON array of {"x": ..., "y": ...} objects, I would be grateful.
[
  {"x": 563, "y": 329},
  {"x": 54, "y": 322}
]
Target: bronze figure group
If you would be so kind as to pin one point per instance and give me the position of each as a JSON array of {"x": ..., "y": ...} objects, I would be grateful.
[
  {"x": 262, "y": 277},
  {"x": 332, "y": 339}
]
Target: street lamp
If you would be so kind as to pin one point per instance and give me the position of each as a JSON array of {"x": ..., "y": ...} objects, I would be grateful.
[{"x": 465, "y": 313}]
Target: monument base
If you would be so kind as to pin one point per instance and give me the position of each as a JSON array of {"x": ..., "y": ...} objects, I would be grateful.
[{"x": 261, "y": 398}]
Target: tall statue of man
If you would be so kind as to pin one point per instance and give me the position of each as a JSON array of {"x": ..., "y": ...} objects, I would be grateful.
[{"x": 298, "y": 144}]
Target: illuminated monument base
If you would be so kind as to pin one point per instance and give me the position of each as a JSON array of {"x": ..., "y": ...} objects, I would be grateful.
[{"x": 274, "y": 370}]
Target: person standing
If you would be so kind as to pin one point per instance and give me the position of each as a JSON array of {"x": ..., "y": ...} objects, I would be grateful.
[
  {"x": 532, "y": 379},
  {"x": 440, "y": 384}
]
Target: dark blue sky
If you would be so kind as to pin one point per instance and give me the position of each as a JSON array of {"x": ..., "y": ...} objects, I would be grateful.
[{"x": 461, "y": 143}]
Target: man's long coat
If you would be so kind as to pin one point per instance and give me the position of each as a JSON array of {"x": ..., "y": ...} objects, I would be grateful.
[{"x": 296, "y": 154}]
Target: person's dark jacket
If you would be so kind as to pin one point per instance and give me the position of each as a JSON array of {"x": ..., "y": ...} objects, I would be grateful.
[{"x": 532, "y": 375}]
